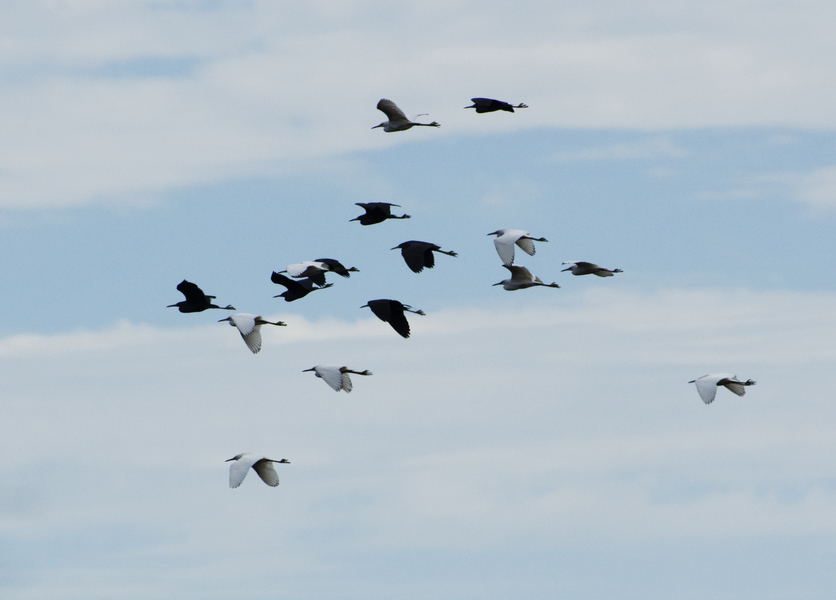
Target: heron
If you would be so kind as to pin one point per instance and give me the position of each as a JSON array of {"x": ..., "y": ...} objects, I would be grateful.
[
  {"x": 392, "y": 312},
  {"x": 485, "y": 105},
  {"x": 522, "y": 278},
  {"x": 313, "y": 270},
  {"x": 295, "y": 288},
  {"x": 196, "y": 300},
  {"x": 505, "y": 240},
  {"x": 249, "y": 326},
  {"x": 336, "y": 377},
  {"x": 377, "y": 212},
  {"x": 420, "y": 254},
  {"x": 397, "y": 119},
  {"x": 707, "y": 385},
  {"x": 580, "y": 267},
  {"x": 337, "y": 267},
  {"x": 241, "y": 464}
]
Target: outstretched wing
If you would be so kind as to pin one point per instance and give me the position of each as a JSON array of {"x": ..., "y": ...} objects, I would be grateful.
[
  {"x": 267, "y": 472},
  {"x": 391, "y": 110}
]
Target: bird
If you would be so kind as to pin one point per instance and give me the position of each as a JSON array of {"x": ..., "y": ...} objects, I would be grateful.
[
  {"x": 485, "y": 105},
  {"x": 241, "y": 464},
  {"x": 420, "y": 254},
  {"x": 505, "y": 240},
  {"x": 196, "y": 300},
  {"x": 337, "y": 267},
  {"x": 392, "y": 311},
  {"x": 587, "y": 268},
  {"x": 249, "y": 326},
  {"x": 522, "y": 278},
  {"x": 377, "y": 212},
  {"x": 336, "y": 377},
  {"x": 707, "y": 385},
  {"x": 313, "y": 270},
  {"x": 295, "y": 288},
  {"x": 397, "y": 119}
]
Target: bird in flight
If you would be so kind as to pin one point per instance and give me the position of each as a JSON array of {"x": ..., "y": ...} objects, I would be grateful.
[
  {"x": 522, "y": 278},
  {"x": 241, "y": 464},
  {"x": 420, "y": 254},
  {"x": 505, "y": 240},
  {"x": 249, "y": 326},
  {"x": 377, "y": 212},
  {"x": 336, "y": 377},
  {"x": 486, "y": 105},
  {"x": 196, "y": 300},
  {"x": 707, "y": 385},
  {"x": 392, "y": 312},
  {"x": 397, "y": 120},
  {"x": 580, "y": 267}
]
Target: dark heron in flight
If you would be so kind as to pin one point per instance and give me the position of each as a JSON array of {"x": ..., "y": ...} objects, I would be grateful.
[
  {"x": 377, "y": 212},
  {"x": 263, "y": 466},
  {"x": 522, "y": 278},
  {"x": 337, "y": 267},
  {"x": 392, "y": 312},
  {"x": 397, "y": 119},
  {"x": 485, "y": 105},
  {"x": 420, "y": 254},
  {"x": 295, "y": 288},
  {"x": 196, "y": 300},
  {"x": 580, "y": 267}
]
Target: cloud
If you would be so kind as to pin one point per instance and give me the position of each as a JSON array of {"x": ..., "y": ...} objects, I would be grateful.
[{"x": 645, "y": 149}]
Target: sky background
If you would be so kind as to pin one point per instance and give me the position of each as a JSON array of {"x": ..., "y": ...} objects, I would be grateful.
[{"x": 533, "y": 444}]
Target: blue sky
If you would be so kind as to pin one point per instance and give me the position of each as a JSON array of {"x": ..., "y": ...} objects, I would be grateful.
[{"x": 539, "y": 443}]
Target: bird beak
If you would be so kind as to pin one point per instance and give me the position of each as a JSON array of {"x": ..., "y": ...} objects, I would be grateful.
[
  {"x": 566, "y": 269},
  {"x": 395, "y": 248},
  {"x": 500, "y": 283},
  {"x": 311, "y": 369},
  {"x": 376, "y": 126},
  {"x": 365, "y": 306},
  {"x": 692, "y": 381},
  {"x": 229, "y": 459},
  {"x": 227, "y": 319},
  {"x": 173, "y": 305}
]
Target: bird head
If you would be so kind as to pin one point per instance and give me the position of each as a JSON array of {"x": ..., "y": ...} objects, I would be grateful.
[{"x": 236, "y": 457}]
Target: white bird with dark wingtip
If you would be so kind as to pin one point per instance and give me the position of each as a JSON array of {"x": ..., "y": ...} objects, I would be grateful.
[
  {"x": 263, "y": 466},
  {"x": 522, "y": 278},
  {"x": 707, "y": 385},
  {"x": 336, "y": 377},
  {"x": 580, "y": 267},
  {"x": 505, "y": 240},
  {"x": 249, "y": 326},
  {"x": 398, "y": 121}
]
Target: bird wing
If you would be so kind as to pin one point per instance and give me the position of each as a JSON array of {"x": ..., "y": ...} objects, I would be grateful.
[
  {"x": 733, "y": 384},
  {"x": 267, "y": 472},
  {"x": 707, "y": 388},
  {"x": 331, "y": 376},
  {"x": 346, "y": 382},
  {"x": 399, "y": 323},
  {"x": 238, "y": 469},
  {"x": 586, "y": 265},
  {"x": 191, "y": 291},
  {"x": 414, "y": 257},
  {"x": 520, "y": 274},
  {"x": 253, "y": 339},
  {"x": 505, "y": 249},
  {"x": 527, "y": 245},
  {"x": 391, "y": 110}
]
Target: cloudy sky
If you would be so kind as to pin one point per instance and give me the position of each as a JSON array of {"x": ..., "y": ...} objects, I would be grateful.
[{"x": 533, "y": 444}]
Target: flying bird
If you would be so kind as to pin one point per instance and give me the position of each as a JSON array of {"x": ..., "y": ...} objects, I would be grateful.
[
  {"x": 485, "y": 105},
  {"x": 295, "y": 288},
  {"x": 337, "y": 267},
  {"x": 505, "y": 240},
  {"x": 249, "y": 326},
  {"x": 587, "y": 268},
  {"x": 707, "y": 385},
  {"x": 397, "y": 119},
  {"x": 313, "y": 270},
  {"x": 377, "y": 212},
  {"x": 420, "y": 254},
  {"x": 522, "y": 278},
  {"x": 263, "y": 466},
  {"x": 196, "y": 300},
  {"x": 392, "y": 312},
  {"x": 336, "y": 377}
]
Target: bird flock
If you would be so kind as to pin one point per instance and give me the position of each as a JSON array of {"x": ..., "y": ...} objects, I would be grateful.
[{"x": 303, "y": 278}]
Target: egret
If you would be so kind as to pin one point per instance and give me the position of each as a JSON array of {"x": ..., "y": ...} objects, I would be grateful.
[
  {"x": 249, "y": 326},
  {"x": 392, "y": 312},
  {"x": 587, "y": 268},
  {"x": 505, "y": 240},
  {"x": 485, "y": 105},
  {"x": 196, "y": 300},
  {"x": 313, "y": 270},
  {"x": 377, "y": 212},
  {"x": 263, "y": 466},
  {"x": 522, "y": 278},
  {"x": 707, "y": 385},
  {"x": 295, "y": 289},
  {"x": 397, "y": 119},
  {"x": 337, "y": 267},
  {"x": 336, "y": 377},
  {"x": 420, "y": 254}
]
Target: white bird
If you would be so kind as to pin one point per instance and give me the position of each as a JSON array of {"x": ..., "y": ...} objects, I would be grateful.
[
  {"x": 312, "y": 269},
  {"x": 505, "y": 240},
  {"x": 263, "y": 466},
  {"x": 336, "y": 377},
  {"x": 397, "y": 119},
  {"x": 580, "y": 267},
  {"x": 707, "y": 385},
  {"x": 249, "y": 325},
  {"x": 522, "y": 278}
]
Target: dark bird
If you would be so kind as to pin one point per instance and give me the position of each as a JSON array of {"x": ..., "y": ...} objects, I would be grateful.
[
  {"x": 485, "y": 105},
  {"x": 337, "y": 267},
  {"x": 397, "y": 119},
  {"x": 420, "y": 254},
  {"x": 392, "y": 311},
  {"x": 313, "y": 270},
  {"x": 295, "y": 288},
  {"x": 587, "y": 268},
  {"x": 377, "y": 212},
  {"x": 196, "y": 300}
]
